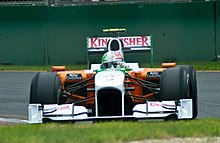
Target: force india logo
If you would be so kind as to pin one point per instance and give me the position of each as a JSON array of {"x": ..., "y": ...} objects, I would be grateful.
[{"x": 132, "y": 41}]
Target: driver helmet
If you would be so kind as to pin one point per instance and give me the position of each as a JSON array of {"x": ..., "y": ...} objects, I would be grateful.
[{"x": 112, "y": 56}]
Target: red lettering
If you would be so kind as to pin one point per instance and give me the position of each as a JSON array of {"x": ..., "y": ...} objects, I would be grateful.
[
  {"x": 155, "y": 105},
  {"x": 104, "y": 42},
  {"x": 138, "y": 41},
  {"x": 144, "y": 41},
  {"x": 63, "y": 108},
  {"x": 132, "y": 41},
  {"x": 126, "y": 42},
  {"x": 99, "y": 42},
  {"x": 92, "y": 42}
]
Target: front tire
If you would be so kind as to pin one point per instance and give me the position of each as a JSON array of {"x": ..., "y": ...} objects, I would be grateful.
[
  {"x": 180, "y": 83},
  {"x": 193, "y": 93},
  {"x": 45, "y": 88},
  {"x": 174, "y": 84}
]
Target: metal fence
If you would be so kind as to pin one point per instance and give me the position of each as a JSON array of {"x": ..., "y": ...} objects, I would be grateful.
[
  {"x": 90, "y": 2},
  {"x": 23, "y": 2},
  {"x": 95, "y": 2}
]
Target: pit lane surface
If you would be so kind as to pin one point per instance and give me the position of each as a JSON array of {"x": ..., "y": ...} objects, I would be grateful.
[{"x": 15, "y": 89}]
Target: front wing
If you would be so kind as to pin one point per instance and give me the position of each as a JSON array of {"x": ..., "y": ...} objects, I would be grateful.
[{"x": 151, "y": 109}]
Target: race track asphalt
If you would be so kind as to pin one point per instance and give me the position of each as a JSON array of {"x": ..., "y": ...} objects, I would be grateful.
[{"x": 15, "y": 90}]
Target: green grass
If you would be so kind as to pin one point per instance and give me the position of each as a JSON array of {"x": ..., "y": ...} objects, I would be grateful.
[
  {"x": 115, "y": 131},
  {"x": 203, "y": 65}
]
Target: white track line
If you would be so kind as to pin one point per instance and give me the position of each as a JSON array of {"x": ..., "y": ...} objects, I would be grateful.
[{"x": 15, "y": 121}]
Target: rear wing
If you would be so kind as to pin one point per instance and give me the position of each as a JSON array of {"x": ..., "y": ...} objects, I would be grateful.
[{"x": 131, "y": 44}]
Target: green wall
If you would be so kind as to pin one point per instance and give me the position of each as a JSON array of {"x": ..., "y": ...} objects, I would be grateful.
[
  {"x": 57, "y": 35},
  {"x": 22, "y": 35},
  {"x": 218, "y": 28}
]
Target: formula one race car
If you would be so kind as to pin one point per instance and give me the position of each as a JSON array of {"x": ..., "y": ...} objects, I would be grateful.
[{"x": 114, "y": 89}]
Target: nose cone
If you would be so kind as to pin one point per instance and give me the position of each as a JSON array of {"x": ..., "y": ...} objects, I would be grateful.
[{"x": 109, "y": 79}]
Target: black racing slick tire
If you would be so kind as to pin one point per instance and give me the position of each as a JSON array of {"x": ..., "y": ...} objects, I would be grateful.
[
  {"x": 193, "y": 88},
  {"x": 174, "y": 84},
  {"x": 45, "y": 88}
]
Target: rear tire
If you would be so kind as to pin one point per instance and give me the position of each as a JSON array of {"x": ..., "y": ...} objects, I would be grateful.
[{"x": 45, "y": 88}]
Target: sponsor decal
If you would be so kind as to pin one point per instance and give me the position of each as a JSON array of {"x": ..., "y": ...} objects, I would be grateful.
[
  {"x": 153, "y": 74},
  {"x": 131, "y": 41},
  {"x": 63, "y": 108},
  {"x": 73, "y": 76},
  {"x": 55, "y": 109},
  {"x": 155, "y": 104}
]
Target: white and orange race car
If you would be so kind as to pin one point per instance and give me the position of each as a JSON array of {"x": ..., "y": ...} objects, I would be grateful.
[{"x": 114, "y": 89}]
